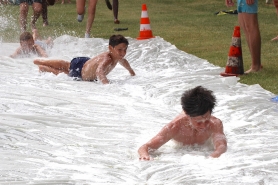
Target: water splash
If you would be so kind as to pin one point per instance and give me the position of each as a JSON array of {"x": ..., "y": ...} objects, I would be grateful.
[{"x": 58, "y": 131}]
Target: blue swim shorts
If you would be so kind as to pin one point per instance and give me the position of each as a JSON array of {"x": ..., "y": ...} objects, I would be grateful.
[
  {"x": 76, "y": 66},
  {"x": 30, "y": 2},
  {"x": 242, "y": 7}
]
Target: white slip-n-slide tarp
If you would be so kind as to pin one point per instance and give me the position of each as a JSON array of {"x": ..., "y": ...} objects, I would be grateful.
[{"x": 54, "y": 130}]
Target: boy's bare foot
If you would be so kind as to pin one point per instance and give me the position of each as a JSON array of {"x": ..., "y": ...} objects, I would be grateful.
[
  {"x": 35, "y": 31},
  {"x": 49, "y": 42},
  {"x": 253, "y": 70},
  {"x": 274, "y": 39},
  {"x": 35, "y": 34}
]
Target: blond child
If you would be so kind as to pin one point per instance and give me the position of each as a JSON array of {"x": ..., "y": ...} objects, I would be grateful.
[{"x": 28, "y": 46}]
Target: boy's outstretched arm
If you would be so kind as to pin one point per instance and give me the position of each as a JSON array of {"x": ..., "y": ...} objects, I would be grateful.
[
  {"x": 126, "y": 65},
  {"x": 219, "y": 140},
  {"x": 157, "y": 141},
  {"x": 153, "y": 144},
  {"x": 16, "y": 53},
  {"x": 100, "y": 71}
]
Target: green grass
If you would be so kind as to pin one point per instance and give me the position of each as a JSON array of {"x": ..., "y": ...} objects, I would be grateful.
[{"x": 190, "y": 25}]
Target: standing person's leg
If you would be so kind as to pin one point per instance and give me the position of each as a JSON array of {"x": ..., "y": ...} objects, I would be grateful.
[
  {"x": 80, "y": 9},
  {"x": 91, "y": 17},
  {"x": 108, "y": 4},
  {"x": 37, "y": 8},
  {"x": 44, "y": 13},
  {"x": 115, "y": 11},
  {"x": 248, "y": 20},
  {"x": 275, "y": 2},
  {"x": 23, "y": 9},
  {"x": 250, "y": 25}
]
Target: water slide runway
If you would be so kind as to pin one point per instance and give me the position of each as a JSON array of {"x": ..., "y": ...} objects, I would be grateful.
[{"x": 54, "y": 130}]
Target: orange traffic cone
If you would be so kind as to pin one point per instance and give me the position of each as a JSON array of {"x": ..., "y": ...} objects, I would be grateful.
[
  {"x": 145, "y": 27},
  {"x": 234, "y": 66}
]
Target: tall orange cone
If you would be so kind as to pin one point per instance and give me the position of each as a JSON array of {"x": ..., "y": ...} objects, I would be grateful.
[
  {"x": 234, "y": 66},
  {"x": 145, "y": 27}
]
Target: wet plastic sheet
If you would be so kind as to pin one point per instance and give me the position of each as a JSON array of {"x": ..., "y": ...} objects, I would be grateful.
[{"x": 55, "y": 130}]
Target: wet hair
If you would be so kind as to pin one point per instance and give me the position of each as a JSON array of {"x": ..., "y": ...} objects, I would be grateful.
[
  {"x": 117, "y": 39},
  {"x": 197, "y": 101},
  {"x": 25, "y": 36}
]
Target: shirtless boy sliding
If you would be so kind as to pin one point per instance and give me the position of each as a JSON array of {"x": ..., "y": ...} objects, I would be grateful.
[
  {"x": 195, "y": 125},
  {"x": 91, "y": 69},
  {"x": 28, "y": 46}
]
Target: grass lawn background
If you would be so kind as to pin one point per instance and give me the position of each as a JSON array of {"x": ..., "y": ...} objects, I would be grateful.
[{"x": 190, "y": 25}]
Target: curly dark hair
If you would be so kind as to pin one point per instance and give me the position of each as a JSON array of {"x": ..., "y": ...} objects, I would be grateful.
[
  {"x": 198, "y": 101},
  {"x": 117, "y": 39}
]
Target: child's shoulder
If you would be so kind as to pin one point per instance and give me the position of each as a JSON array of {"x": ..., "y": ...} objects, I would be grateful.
[
  {"x": 102, "y": 55},
  {"x": 107, "y": 56},
  {"x": 216, "y": 122},
  {"x": 180, "y": 120}
]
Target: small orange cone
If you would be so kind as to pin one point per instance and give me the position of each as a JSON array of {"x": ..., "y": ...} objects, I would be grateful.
[
  {"x": 145, "y": 27},
  {"x": 234, "y": 66}
]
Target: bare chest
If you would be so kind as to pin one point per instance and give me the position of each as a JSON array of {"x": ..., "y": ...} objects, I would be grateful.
[
  {"x": 187, "y": 136},
  {"x": 110, "y": 67}
]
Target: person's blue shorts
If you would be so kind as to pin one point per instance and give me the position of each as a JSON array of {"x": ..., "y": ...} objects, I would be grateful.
[
  {"x": 242, "y": 7},
  {"x": 30, "y": 2},
  {"x": 76, "y": 66}
]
